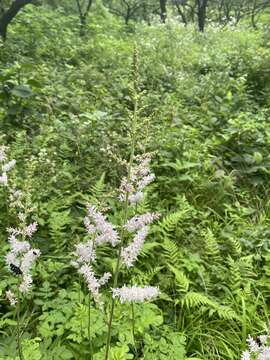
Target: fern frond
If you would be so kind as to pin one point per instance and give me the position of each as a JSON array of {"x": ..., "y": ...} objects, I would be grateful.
[
  {"x": 226, "y": 313},
  {"x": 169, "y": 223},
  {"x": 246, "y": 267},
  {"x": 211, "y": 245},
  {"x": 182, "y": 281},
  {"x": 236, "y": 246},
  {"x": 147, "y": 248},
  {"x": 97, "y": 190},
  {"x": 171, "y": 252},
  {"x": 150, "y": 274},
  {"x": 235, "y": 278},
  {"x": 193, "y": 299}
]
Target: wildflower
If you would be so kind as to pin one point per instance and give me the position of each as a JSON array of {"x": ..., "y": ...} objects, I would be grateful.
[
  {"x": 8, "y": 166},
  {"x": 5, "y": 167},
  {"x": 18, "y": 247},
  {"x": 9, "y": 294},
  {"x": 257, "y": 347},
  {"x": 146, "y": 180},
  {"x": 30, "y": 229},
  {"x": 97, "y": 224},
  {"x": 131, "y": 252},
  {"x": 105, "y": 278},
  {"x": 140, "y": 177},
  {"x": 252, "y": 344},
  {"x": 139, "y": 221},
  {"x": 3, "y": 153},
  {"x": 245, "y": 355},
  {"x": 135, "y": 294},
  {"x": 22, "y": 217},
  {"x": 11, "y": 258},
  {"x": 136, "y": 198},
  {"x": 26, "y": 284},
  {"x": 264, "y": 354},
  {"x": 28, "y": 259},
  {"x": 91, "y": 281},
  {"x": 4, "y": 179},
  {"x": 21, "y": 256},
  {"x": 15, "y": 199},
  {"x": 85, "y": 252}
]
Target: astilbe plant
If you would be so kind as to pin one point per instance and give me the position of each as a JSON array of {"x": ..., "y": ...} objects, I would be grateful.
[
  {"x": 21, "y": 256},
  {"x": 100, "y": 230}
]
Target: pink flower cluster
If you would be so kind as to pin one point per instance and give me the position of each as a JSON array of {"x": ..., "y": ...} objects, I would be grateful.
[
  {"x": 92, "y": 282},
  {"x": 97, "y": 225},
  {"x": 11, "y": 297},
  {"x": 21, "y": 256},
  {"x": 139, "y": 221},
  {"x": 135, "y": 293},
  {"x": 6, "y": 166},
  {"x": 140, "y": 177},
  {"x": 140, "y": 224},
  {"x": 101, "y": 231},
  {"x": 258, "y": 348}
]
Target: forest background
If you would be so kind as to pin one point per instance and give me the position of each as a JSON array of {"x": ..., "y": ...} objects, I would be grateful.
[{"x": 66, "y": 105}]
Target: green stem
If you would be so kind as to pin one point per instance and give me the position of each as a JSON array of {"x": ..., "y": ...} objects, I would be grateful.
[
  {"x": 79, "y": 299},
  {"x": 133, "y": 326},
  {"x": 89, "y": 325},
  {"x": 19, "y": 331},
  {"x": 117, "y": 269},
  {"x": 6, "y": 206}
]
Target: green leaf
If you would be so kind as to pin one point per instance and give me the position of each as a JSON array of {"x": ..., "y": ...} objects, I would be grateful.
[{"x": 22, "y": 91}]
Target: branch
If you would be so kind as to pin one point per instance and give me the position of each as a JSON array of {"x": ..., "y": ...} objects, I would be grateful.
[
  {"x": 10, "y": 14},
  {"x": 88, "y": 7},
  {"x": 79, "y": 8}
]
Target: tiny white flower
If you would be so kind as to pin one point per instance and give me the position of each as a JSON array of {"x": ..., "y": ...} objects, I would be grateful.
[
  {"x": 135, "y": 294},
  {"x": 26, "y": 284},
  {"x": 11, "y": 297},
  {"x": 8, "y": 166},
  {"x": 245, "y": 355}
]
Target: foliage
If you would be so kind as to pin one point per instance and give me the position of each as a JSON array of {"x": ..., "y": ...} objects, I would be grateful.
[{"x": 64, "y": 105}]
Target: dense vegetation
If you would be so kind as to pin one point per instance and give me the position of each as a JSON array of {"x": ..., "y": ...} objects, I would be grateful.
[{"x": 70, "y": 91}]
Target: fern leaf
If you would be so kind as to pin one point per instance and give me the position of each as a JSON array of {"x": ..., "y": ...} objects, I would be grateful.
[
  {"x": 235, "y": 275},
  {"x": 171, "y": 252},
  {"x": 193, "y": 299},
  {"x": 98, "y": 188},
  {"x": 181, "y": 280},
  {"x": 169, "y": 223},
  {"x": 211, "y": 245},
  {"x": 236, "y": 246}
]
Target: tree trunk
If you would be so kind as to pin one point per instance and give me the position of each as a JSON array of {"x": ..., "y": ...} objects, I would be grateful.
[
  {"x": 201, "y": 14},
  {"x": 181, "y": 13},
  {"x": 163, "y": 10},
  {"x": 128, "y": 15},
  {"x": 83, "y": 15},
  {"x": 10, "y": 14}
]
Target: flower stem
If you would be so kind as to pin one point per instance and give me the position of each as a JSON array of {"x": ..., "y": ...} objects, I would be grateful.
[
  {"x": 125, "y": 216},
  {"x": 89, "y": 326},
  {"x": 79, "y": 300},
  {"x": 19, "y": 331},
  {"x": 133, "y": 326}
]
